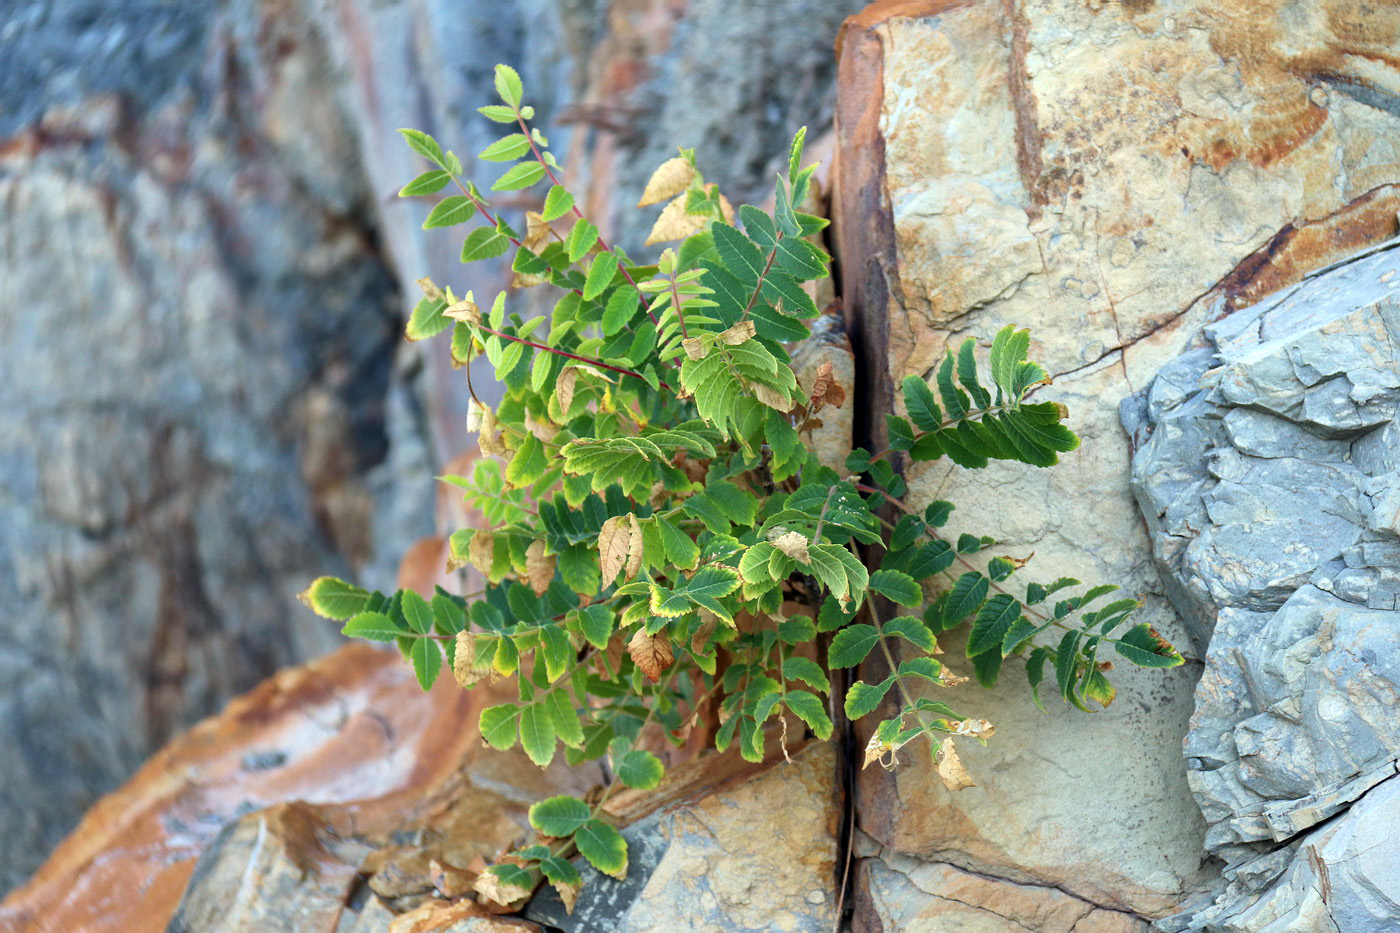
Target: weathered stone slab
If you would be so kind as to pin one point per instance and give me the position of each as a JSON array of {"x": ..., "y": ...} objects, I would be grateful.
[{"x": 1113, "y": 176}]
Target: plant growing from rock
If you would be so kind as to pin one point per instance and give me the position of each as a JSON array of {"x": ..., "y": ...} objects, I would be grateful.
[{"x": 662, "y": 538}]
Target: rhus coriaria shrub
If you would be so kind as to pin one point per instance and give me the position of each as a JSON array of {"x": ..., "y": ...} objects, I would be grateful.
[{"x": 660, "y": 535}]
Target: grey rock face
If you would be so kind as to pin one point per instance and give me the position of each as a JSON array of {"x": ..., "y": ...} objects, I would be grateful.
[
  {"x": 196, "y": 342},
  {"x": 1267, "y": 479}
]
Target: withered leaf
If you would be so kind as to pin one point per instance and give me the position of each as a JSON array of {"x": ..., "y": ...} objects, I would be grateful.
[
  {"x": 669, "y": 180},
  {"x": 481, "y": 551},
  {"x": 430, "y": 291},
  {"x": 794, "y": 545},
  {"x": 635, "y": 548},
  {"x": 488, "y": 437},
  {"x": 464, "y": 668},
  {"x": 564, "y": 389},
  {"x": 675, "y": 224},
  {"x": 536, "y": 231},
  {"x": 539, "y": 567},
  {"x": 694, "y": 348},
  {"x": 951, "y": 770},
  {"x": 651, "y": 652},
  {"x": 464, "y": 310},
  {"x": 620, "y": 547},
  {"x": 740, "y": 332},
  {"x": 771, "y": 397},
  {"x": 568, "y": 893},
  {"x": 492, "y": 888}
]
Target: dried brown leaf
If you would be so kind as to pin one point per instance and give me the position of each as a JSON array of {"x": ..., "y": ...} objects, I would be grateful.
[
  {"x": 670, "y": 179},
  {"x": 464, "y": 310},
  {"x": 794, "y": 545},
  {"x": 482, "y": 551},
  {"x": 564, "y": 388},
  {"x": 430, "y": 291},
  {"x": 771, "y": 397},
  {"x": 635, "y": 548},
  {"x": 568, "y": 893},
  {"x": 536, "y": 231},
  {"x": 979, "y": 729},
  {"x": 539, "y": 567},
  {"x": 464, "y": 668},
  {"x": 675, "y": 224},
  {"x": 651, "y": 652},
  {"x": 614, "y": 547},
  {"x": 739, "y": 333},
  {"x": 488, "y": 438},
  {"x": 510, "y": 896},
  {"x": 951, "y": 770},
  {"x": 694, "y": 348}
]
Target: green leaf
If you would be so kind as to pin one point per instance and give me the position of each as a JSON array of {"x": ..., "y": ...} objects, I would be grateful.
[
  {"x": 912, "y": 630},
  {"x": 900, "y": 432},
  {"x": 993, "y": 621},
  {"x": 600, "y": 275},
  {"x": 375, "y": 626},
  {"x": 681, "y": 549},
  {"x": 850, "y": 645},
  {"x": 796, "y": 630},
  {"x": 484, "y": 243},
  {"x": 1035, "y": 673},
  {"x": 423, "y": 144},
  {"x": 427, "y": 660},
  {"x": 449, "y": 212},
  {"x": 604, "y": 848},
  {"x": 897, "y": 587},
  {"x": 498, "y": 726},
  {"x": 936, "y": 515},
  {"x": 1009, "y": 348},
  {"x": 919, "y": 402},
  {"x": 967, "y": 374},
  {"x": 417, "y": 612},
  {"x": 927, "y": 668},
  {"x": 640, "y": 769},
  {"x": 332, "y": 598},
  {"x": 506, "y": 148},
  {"x": 497, "y": 114},
  {"x": 537, "y": 734},
  {"x": 518, "y": 176},
  {"x": 621, "y": 308},
  {"x": 581, "y": 239},
  {"x": 559, "y": 871},
  {"x": 1142, "y": 646},
  {"x": 529, "y": 463},
  {"x": 807, "y": 671},
  {"x": 964, "y": 598},
  {"x": 740, "y": 255},
  {"x": 862, "y": 698},
  {"x": 811, "y": 710},
  {"x": 986, "y": 667},
  {"x": 427, "y": 183},
  {"x": 559, "y": 816},
  {"x": 1066, "y": 661},
  {"x": 508, "y": 85},
  {"x": 556, "y": 204},
  {"x": 596, "y": 624},
  {"x": 427, "y": 319}
]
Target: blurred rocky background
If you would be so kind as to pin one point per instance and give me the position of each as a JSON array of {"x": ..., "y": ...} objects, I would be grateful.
[
  {"x": 204, "y": 398},
  {"x": 1192, "y": 203}
]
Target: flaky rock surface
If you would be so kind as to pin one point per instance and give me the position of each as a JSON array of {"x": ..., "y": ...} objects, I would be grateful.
[
  {"x": 1112, "y": 176},
  {"x": 1265, "y": 467}
]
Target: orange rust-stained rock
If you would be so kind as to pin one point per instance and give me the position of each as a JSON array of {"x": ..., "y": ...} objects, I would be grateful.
[{"x": 351, "y": 737}]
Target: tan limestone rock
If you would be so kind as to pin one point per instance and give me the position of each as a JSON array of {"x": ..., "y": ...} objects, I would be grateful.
[{"x": 1111, "y": 175}]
